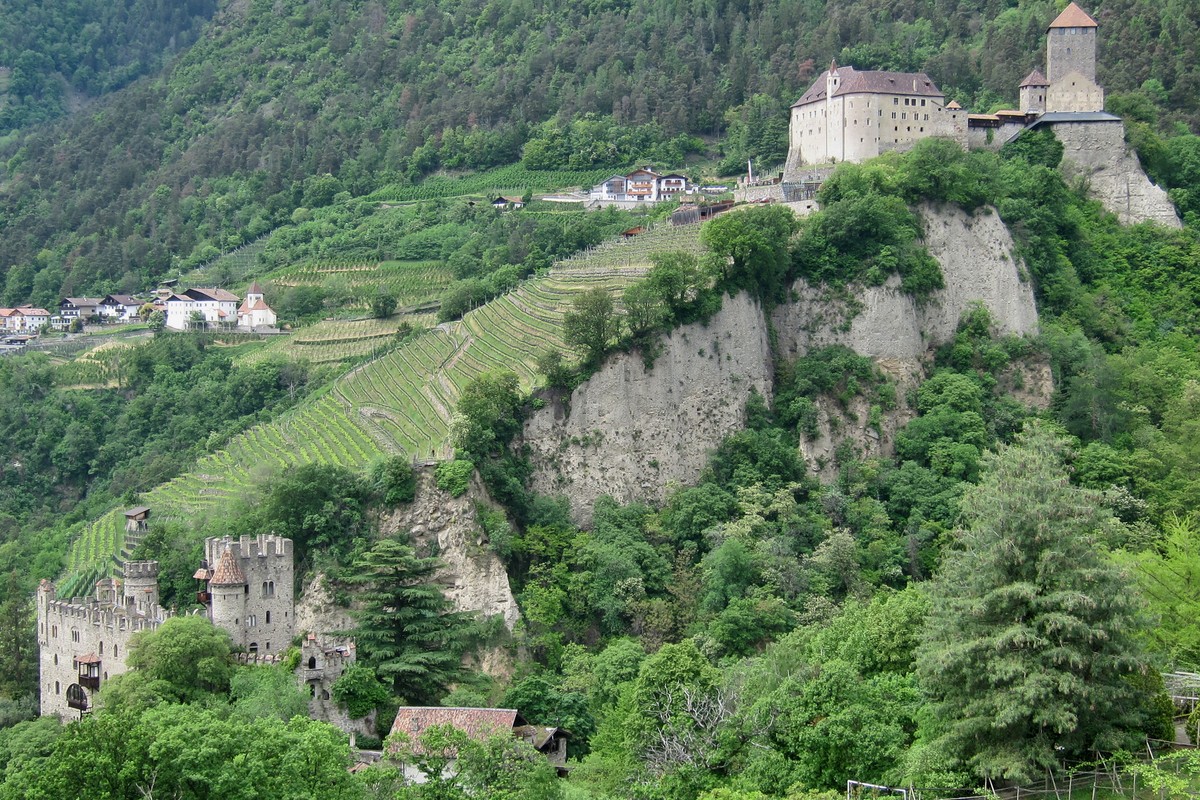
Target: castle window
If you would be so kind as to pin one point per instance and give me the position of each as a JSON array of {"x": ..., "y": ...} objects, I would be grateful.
[
  {"x": 75, "y": 635},
  {"x": 253, "y": 647},
  {"x": 268, "y": 617},
  {"x": 57, "y": 688},
  {"x": 268, "y": 588},
  {"x": 54, "y": 631},
  {"x": 115, "y": 651},
  {"x": 101, "y": 649},
  {"x": 268, "y": 645},
  {"x": 895, "y": 101},
  {"x": 922, "y": 130},
  {"x": 903, "y": 115},
  {"x": 922, "y": 102},
  {"x": 312, "y": 662},
  {"x": 56, "y": 659},
  {"x": 324, "y": 695},
  {"x": 926, "y": 117},
  {"x": 252, "y": 620}
]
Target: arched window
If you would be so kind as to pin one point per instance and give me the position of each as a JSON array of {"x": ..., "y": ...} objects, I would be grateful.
[
  {"x": 312, "y": 662},
  {"x": 101, "y": 649},
  {"x": 56, "y": 659},
  {"x": 253, "y": 647},
  {"x": 268, "y": 617}
]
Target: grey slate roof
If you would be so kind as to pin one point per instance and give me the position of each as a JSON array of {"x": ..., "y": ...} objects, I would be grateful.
[{"x": 855, "y": 81}]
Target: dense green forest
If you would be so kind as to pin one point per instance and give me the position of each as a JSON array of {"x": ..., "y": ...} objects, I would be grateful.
[
  {"x": 56, "y": 58},
  {"x": 280, "y": 105}
]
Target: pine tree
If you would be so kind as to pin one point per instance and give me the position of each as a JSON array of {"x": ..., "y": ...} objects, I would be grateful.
[
  {"x": 406, "y": 629},
  {"x": 1029, "y": 646}
]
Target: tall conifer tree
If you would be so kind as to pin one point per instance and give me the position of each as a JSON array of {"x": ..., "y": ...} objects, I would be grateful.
[
  {"x": 406, "y": 628},
  {"x": 1029, "y": 646}
]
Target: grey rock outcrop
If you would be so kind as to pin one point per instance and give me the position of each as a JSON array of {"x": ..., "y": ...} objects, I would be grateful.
[
  {"x": 978, "y": 266},
  {"x": 632, "y": 432},
  {"x": 1097, "y": 152},
  {"x": 473, "y": 577}
]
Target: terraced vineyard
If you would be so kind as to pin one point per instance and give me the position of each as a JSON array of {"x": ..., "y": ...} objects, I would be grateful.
[
  {"x": 228, "y": 269},
  {"x": 336, "y": 341},
  {"x": 410, "y": 281},
  {"x": 398, "y": 404}
]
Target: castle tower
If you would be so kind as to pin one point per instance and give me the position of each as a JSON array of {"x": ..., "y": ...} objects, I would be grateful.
[
  {"x": 228, "y": 588},
  {"x": 1071, "y": 45},
  {"x": 141, "y": 587},
  {"x": 251, "y": 590},
  {"x": 1033, "y": 93}
]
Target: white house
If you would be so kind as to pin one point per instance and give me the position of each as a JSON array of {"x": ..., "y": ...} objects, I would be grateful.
[
  {"x": 119, "y": 308},
  {"x": 214, "y": 306},
  {"x": 24, "y": 319},
  {"x": 640, "y": 186},
  {"x": 254, "y": 312}
]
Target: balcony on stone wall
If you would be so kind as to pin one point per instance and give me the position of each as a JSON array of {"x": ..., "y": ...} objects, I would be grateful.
[{"x": 89, "y": 671}]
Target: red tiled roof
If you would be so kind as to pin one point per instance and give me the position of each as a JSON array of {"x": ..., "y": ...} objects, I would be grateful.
[
  {"x": 855, "y": 81},
  {"x": 257, "y": 305},
  {"x": 1074, "y": 17},
  {"x": 254, "y": 289},
  {"x": 228, "y": 573},
  {"x": 88, "y": 658},
  {"x": 1035, "y": 78},
  {"x": 477, "y": 723}
]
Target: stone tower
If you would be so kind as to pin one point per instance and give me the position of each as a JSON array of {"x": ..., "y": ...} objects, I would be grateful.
[
  {"x": 1033, "y": 93},
  {"x": 228, "y": 589},
  {"x": 251, "y": 591},
  {"x": 141, "y": 586},
  {"x": 1071, "y": 45}
]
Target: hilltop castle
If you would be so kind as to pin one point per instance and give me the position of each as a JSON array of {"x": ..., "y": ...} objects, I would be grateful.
[
  {"x": 82, "y": 642},
  {"x": 853, "y": 115}
]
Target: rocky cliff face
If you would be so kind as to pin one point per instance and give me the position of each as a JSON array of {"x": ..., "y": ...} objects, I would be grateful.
[
  {"x": 632, "y": 431},
  {"x": 978, "y": 266},
  {"x": 1097, "y": 152},
  {"x": 473, "y": 577}
]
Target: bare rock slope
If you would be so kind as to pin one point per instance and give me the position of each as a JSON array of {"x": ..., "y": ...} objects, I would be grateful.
[{"x": 631, "y": 432}]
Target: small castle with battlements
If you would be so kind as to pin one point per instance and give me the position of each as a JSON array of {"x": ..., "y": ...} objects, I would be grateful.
[{"x": 246, "y": 589}]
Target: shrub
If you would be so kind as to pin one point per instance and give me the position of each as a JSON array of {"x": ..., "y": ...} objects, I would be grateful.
[{"x": 454, "y": 476}]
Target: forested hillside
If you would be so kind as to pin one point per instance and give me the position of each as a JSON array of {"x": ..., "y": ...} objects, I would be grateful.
[
  {"x": 56, "y": 57},
  {"x": 283, "y": 104}
]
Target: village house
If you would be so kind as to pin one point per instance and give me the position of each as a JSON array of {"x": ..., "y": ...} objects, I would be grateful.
[
  {"x": 24, "y": 319},
  {"x": 505, "y": 202},
  {"x": 199, "y": 308},
  {"x": 640, "y": 186},
  {"x": 254, "y": 311},
  {"x": 119, "y": 308},
  {"x": 83, "y": 308},
  {"x": 478, "y": 724}
]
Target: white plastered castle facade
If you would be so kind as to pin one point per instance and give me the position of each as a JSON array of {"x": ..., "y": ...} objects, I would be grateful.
[{"x": 855, "y": 115}]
